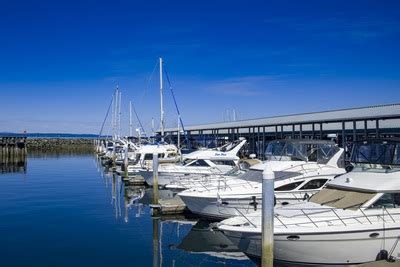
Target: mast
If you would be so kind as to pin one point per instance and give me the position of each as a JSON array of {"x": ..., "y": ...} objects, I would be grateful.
[
  {"x": 119, "y": 114},
  {"x": 161, "y": 102},
  {"x": 115, "y": 124},
  {"x": 112, "y": 115},
  {"x": 179, "y": 133},
  {"x": 130, "y": 119},
  {"x": 152, "y": 127}
]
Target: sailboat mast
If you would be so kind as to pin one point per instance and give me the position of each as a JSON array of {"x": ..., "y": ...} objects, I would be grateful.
[
  {"x": 115, "y": 113},
  {"x": 119, "y": 115},
  {"x": 179, "y": 133},
  {"x": 112, "y": 115},
  {"x": 152, "y": 127},
  {"x": 161, "y": 101},
  {"x": 130, "y": 119}
]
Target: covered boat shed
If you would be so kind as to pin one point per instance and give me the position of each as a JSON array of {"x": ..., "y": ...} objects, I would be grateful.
[{"x": 343, "y": 125}]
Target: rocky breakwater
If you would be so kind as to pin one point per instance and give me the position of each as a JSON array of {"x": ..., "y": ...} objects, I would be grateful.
[{"x": 60, "y": 144}]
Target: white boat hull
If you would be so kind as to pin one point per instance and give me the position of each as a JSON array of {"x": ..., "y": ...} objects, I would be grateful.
[
  {"x": 322, "y": 248},
  {"x": 228, "y": 207},
  {"x": 165, "y": 178}
]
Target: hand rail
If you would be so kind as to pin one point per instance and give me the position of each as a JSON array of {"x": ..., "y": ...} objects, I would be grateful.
[{"x": 340, "y": 218}]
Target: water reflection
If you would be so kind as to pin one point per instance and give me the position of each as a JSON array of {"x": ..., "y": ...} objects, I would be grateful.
[
  {"x": 12, "y": 162},
  {"x": 60, "y": 152},
  {"x": 177, "y": 240},
  {"x": 185, "y": 241},
  {"x": 202, "y": 239}
]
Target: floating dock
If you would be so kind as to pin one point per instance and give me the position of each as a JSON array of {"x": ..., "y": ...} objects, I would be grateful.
[{"x": 169, "y": 206}]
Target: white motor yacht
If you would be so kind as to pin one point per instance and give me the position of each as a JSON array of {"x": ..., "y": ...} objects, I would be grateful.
[
  {"x": 355, "y": 219},
  {"x": 201, "y": 162},
  {"x": 143, "y": 157},
  {"x": 302, "y": 168}
]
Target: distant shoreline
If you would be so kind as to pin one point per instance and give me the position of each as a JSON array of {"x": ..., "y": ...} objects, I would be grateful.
[{"x": 51, "y": 135}]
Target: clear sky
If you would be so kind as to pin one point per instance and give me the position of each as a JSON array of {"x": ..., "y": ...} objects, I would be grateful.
[{"x": 61, "y": 60}]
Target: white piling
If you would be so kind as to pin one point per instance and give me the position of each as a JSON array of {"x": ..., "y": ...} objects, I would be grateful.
[
  {"x": 155, "y": 178},
  {"x": 126, "y": 160},
  {"x": 268, "y": 203}
]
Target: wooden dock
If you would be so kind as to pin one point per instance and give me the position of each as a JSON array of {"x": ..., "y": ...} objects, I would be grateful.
[
  {"x": 12, "y": 145},
  {"x": 169, "y": 206},
  {"x": 13, "y": 154}
]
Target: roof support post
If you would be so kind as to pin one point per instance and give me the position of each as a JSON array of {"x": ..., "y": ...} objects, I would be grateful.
[
  {"x": 365, "y": 129},
  {"x": 320, "y": 131},
  {"x": 313, "y": 131},
  {"x": 263, "y": 144},
  {"x": 254, "y": 140},
  {"x": 293, "y": 129},
  {"x": 301, "y": 131},
  {"x": 344, "y": 135},
  {"x": 377, "y": 128}
]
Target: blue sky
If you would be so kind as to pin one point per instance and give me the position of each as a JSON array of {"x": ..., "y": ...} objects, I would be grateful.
[{"x": 61, "y": 60}]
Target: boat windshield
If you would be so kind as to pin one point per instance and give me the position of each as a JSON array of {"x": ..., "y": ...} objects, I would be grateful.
[
  {"x": 301, "y": 151},
  {"x": 376, "y": 154},
  {"x": 341, "y": 198},
  {"x": 252, "y": 176}
]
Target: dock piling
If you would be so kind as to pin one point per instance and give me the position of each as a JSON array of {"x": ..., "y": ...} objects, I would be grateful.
[
  {"x": 155, "y": 184},
  {"x": 268, "y": 196}
]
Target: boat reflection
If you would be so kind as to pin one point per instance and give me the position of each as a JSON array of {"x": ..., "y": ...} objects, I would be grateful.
[
  {"x": 132, "y": 196},
  {"x": 124, "y": 194},
  {"x": 186, "y": 241},
  {"x": 202, "y": 239}
]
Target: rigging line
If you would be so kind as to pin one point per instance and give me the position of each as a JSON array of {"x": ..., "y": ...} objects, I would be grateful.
[
  {"x": 108, "y": 111},
  {"x": 148, "y": 83},
  {"x": 137, "y": 117},
  {"x": 176, "y": 105}
]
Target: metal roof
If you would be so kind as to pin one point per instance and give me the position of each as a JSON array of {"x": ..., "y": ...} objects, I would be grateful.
[{"x": 362, "y": 113}]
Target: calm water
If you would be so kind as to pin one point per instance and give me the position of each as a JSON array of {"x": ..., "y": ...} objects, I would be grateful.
[{"x": 63, "y": 210}]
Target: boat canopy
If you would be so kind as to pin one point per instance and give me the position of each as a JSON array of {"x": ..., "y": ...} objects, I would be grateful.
[
  {"x": 341, "y": 198},
  {"x": 376, "y": 153},
  {"x": 319, "y": 151}
]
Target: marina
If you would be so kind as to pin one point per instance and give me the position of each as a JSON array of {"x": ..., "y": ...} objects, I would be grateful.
[
  {"x": 200, "y": 133},
  {"x": 279, "y": 197}
]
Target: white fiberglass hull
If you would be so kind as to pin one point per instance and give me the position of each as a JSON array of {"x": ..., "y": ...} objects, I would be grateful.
[
  {"x": 350, "y": 247},
  {"x": 237, "y": 205},
  {"x": 165, "y": 178},
  {"x": 212, "y": 208}
]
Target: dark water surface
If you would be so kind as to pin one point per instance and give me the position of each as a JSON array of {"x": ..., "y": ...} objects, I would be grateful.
[{"x": 63, "y": 210}]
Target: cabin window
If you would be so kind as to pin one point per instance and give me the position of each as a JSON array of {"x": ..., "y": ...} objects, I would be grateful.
[
  {"x": 148, "y": 156},
  {"x": 289, "y": 187},
  {"x": 314, "y": 184},
  {"x": 252, "y": 176},
  {"x": 224, "y": 162},
  {"x": 161, "y": 155},
  {"x": 199, "y": 163},
  {"x": 387, "y": 201}
]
